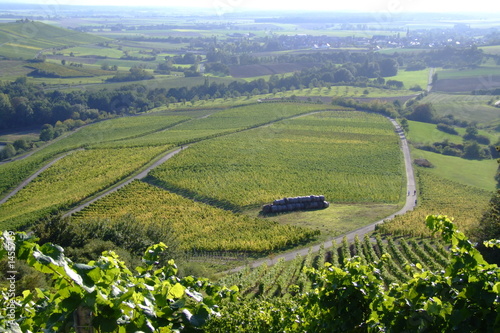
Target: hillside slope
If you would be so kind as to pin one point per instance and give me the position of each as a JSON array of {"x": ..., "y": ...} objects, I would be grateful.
[{"x": 24, "y": 39}]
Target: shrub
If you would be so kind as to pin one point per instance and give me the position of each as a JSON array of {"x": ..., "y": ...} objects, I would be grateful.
[{"x": 446, "y": 128}]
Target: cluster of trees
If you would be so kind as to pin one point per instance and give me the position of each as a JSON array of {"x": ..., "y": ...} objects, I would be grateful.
[
  {"x": 475, "y": 146},
  {"x": 28, "y": 105},
  {"x": 135, "y": 74},
  {"x": 307, "y": 78},
  {"x": 17, "y": 147},
  {"x": 471, "y": 150}
]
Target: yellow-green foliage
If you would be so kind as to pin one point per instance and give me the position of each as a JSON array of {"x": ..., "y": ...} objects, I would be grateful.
[
  {"x": 72, "y": 179},
  {"x": 198, "y": 226},
  {"x": 110, "y": 130},
  {"x": 440, "y": 196},
  {"x": 348, "y": 156}
]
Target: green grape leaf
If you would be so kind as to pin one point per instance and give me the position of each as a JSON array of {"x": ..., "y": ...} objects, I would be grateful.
[{"x": 177, "y": 291}]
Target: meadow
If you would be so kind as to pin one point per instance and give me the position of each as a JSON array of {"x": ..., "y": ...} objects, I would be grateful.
[
  {"x": 425, "y": 133},
  {"x": 474, "y": 173},
  {"x": 412, "y": 78},
  {"x": 197, "y": 226},
  {"x": 345, "y": 155}
]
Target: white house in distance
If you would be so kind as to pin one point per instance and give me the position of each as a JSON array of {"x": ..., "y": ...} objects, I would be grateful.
[{"x": 321, "y": 46}]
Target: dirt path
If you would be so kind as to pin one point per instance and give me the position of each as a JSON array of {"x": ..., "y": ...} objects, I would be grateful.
[
  {"x": 33, "y": 176},
  {"x": 409, "y": 205},
  {"x": 429, "y": 80},
  {"x": 115, "y": 188}
]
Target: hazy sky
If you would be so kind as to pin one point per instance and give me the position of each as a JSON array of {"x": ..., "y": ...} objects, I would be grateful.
[{"x": 381, "y": 6}]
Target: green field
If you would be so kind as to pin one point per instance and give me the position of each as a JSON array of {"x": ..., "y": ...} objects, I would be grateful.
[
  {"x": 493, "y": 49},
  {"x": 99, "y": 51},
  {"x": 465, "y": 73},
  {"x": 472, "y": 108},
  {"x": 412, "y": 78},
  {"x": 346, "y": 156},
  {"x": 425, "y": 133},
  {"x": 468, "y": 172},
  {"x": 25, "y": 39}
]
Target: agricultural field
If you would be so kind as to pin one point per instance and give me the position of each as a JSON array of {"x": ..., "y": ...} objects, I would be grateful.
[
  {"x": 425, "y": 133},
  {"x": 219, "y": 122},
  {"x": 473, "y": 108},
  {"x": 247, "y": 71},
  {"x": 493, "y": 49},
  {"x": 89, "y": 50},
  {"x": 345, "y": 155},
  {"x": 438, "y": 195},
  {"x": 71, "y": 180},
  {"x": 465, "y": 81},
  {"x": 475, "y": 173},
  {"x": 283, "y": 278},
  {"x": 199, "y": 227},
  {"x": 481, "y": 71},
  {"x": 13, "y": 173},
  {"x": 412, "y": 78},
  {"x": 163, "y": 81},
  {"x": 23, "y": 40},
  {"x": 55, "y": 70}
]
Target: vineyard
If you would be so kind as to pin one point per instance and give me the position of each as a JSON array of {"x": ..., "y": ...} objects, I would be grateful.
[
  {"x": 14, "y": 172},
  {"x": 440, "y": 196},
  {"x": 283, "y": 279},
  {"x": 347, "y": 156},
  {"x": 223, "y": 122},
  {"x": 197, "y": 226},
  {"x": 467, "y": 107},
  {"x": 72, "y": 179}
]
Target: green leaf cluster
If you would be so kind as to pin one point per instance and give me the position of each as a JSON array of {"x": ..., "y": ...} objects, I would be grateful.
[{"x": 110, "y": 296}]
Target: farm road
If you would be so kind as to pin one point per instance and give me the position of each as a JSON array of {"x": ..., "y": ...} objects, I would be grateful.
[
  {"x": 429, "y": 80},
  {"x": 410, "y": 203},
  {"x": 139, "y": 176},
  {"x": 33, "y": 176}
]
